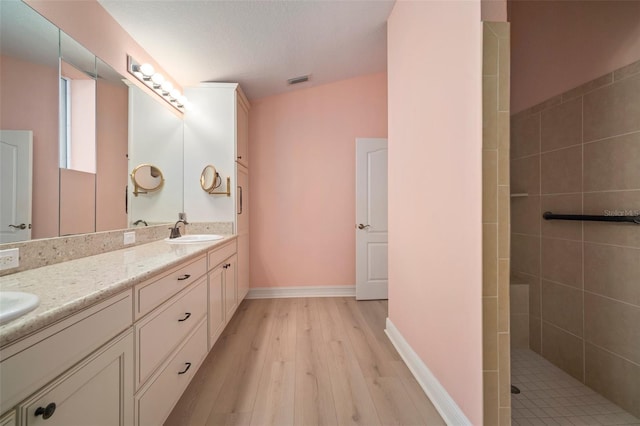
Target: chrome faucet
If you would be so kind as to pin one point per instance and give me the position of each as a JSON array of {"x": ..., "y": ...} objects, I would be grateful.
[{"x": 175, "y": 231}]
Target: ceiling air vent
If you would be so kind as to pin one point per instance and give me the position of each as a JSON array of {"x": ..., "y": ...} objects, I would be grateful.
[{"x": 296, "y": 80}]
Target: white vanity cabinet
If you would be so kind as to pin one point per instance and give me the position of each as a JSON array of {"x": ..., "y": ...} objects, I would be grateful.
[
  {"x": 160, "y": 332},
  {"x": 81, "y": 364},
  {"x": 126, "y": 360},
  {"x": 170, "y": 337},
  {"x": 223, "y": 291}
]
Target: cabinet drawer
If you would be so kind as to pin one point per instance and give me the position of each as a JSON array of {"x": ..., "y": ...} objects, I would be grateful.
[
  {"x": 9, "y": 419},
  {"x": 28, "y": 370},
  {"x": 218, "y": 255},
  {"x": 159, "y": 333},
  {"x": 157, "y": 398},
  {"x": 98, "y": 391},
  {"x": 155, "y": 291}
]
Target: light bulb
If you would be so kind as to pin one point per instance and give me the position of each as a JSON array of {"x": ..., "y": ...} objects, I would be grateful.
[
  {"x": 181, "y": 99},
  {"x": 147, "y": 70},
  {"x": 188, "y": 106},
  {"x": 157, "y": 79},
  {"x": 167, "y": 86},
  {"x": 175, "y": 94}
]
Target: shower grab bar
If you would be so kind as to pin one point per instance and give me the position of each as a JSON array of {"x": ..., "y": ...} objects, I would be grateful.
[{"x": 592, "y": 218}]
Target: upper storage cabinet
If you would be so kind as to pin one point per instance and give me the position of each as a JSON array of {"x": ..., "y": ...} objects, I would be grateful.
[
  {"x": 242, "y": 140},
  {"x": 216, "y": 131}
]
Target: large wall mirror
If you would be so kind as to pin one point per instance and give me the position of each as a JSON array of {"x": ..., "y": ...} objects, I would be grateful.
[
  {"x": 156, "y": 137},
  {"x": 64, "y": 136}
]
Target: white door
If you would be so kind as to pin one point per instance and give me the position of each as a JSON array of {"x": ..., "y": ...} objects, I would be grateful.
[
  {"x": 15, "y": 185},
  {"x": 371, "y": 219}
]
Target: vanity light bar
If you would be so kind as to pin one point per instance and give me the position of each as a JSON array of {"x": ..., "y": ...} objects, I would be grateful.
[{"x": 156, "y": 82}]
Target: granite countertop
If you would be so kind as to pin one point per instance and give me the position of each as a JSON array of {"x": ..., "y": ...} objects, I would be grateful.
[{"x": 68, "y": 287}]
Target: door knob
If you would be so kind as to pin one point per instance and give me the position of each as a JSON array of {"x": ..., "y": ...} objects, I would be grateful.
[
  {"x": 361, "y": 226},
  {"x": 21, "y": 226}
]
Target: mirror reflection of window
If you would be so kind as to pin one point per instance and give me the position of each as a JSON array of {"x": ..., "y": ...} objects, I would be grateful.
[{"x": 77, "y": 119}]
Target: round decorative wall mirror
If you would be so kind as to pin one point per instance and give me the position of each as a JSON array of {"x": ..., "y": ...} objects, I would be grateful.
[
  {"x": 209, "y": 178},
  {"x": 146, "y": 178}
]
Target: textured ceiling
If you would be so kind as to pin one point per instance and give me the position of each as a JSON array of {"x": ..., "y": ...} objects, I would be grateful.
[{"x": 259, "y": 44}]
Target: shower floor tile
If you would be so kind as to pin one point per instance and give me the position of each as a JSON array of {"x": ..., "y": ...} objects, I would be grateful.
[{"x": 549, "y": 396}]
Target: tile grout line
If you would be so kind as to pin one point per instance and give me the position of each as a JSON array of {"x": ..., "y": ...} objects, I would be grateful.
[
  {"x": 587, "y": 242},
  {"x": 612, "y": 299},
  {"x": 584, "y": 339},
  {"x": 540, "y": 235}
]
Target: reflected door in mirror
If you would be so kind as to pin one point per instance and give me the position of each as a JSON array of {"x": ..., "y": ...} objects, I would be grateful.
[
  {"x": 15, "y": 185},
  {"x": 29, "y": 48}
]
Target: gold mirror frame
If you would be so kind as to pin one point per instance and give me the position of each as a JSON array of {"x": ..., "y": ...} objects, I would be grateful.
[
  {"x": 137, "y": 186},
  {"x": 203, "y": 178},
  {"x": 217, "y": 181}
]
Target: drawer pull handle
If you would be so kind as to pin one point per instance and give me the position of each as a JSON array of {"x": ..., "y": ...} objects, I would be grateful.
[
  {"x": 46, "y": 412},
  {"x": 188, "y": 364},
  {"x": 184, "y": 277},
  {"x": 186, "y": 316},
  {"x": 226, "y": 265}
]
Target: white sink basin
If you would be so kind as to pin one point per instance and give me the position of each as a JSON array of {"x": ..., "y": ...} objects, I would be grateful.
[
  {"x": 196, "y": 238},
  {"x": 14, "y": 304}
]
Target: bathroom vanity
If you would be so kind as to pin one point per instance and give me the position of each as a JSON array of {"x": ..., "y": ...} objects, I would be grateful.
[{"x": 118, "y": 336}]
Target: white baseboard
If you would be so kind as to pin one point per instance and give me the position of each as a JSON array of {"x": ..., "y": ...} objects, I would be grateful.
[
  {"x": 287, "y": 292},
  {"x": 446, "y": 406}
]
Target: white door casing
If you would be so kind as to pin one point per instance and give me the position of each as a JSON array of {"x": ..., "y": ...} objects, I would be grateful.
[
  {"x": 15, "y": 185},
  {"x": 371, "y": 219}
]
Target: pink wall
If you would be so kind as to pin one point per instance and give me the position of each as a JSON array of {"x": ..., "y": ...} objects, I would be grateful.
[
  {"x": 77, "y": 202},
  {"x": 558, "y": 45},
  {"x": 112, "y": 146},
  {"x": 435, "y": 196},
  {"x": 494, "y": 10},
  {"x": 302, "y": 180},
  {"x": 29, "y": 94}
]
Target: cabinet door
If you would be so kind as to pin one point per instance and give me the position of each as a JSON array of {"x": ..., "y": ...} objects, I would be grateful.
[
  {"x": 216, "y": 304},
  {"x": 242, "y": 121},
  {"x": 99, "y": 391},
  {"x": 242, "y": 200},
  {"x": 230, "y": 287},
  {"x": 243, "y": 265},
  {"x": 243, "y": 233}
]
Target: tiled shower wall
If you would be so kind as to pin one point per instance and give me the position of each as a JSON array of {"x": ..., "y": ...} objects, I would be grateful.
[
  {"x": 579, "y": 153},
  {"x": 495, "y": 222}
]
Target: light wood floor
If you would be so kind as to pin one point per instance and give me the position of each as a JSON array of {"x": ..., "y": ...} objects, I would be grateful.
[{"x": 316, "y": 361}]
